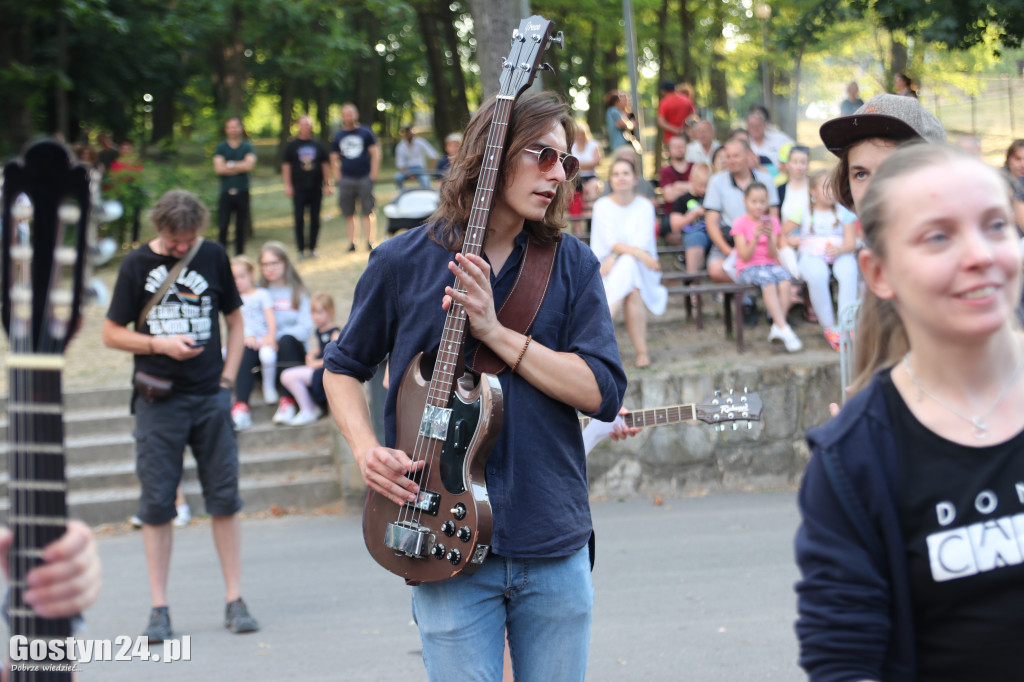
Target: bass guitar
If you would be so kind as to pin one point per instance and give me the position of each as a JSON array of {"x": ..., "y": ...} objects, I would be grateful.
[
  {"x": 447, "y": 421},
  {"x": 46, "y": 202}
]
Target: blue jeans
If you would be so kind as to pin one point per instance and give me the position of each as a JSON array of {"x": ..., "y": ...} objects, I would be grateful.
[
  {"x": 417, "y": 172},
  {"x": 545, "y": 604}
]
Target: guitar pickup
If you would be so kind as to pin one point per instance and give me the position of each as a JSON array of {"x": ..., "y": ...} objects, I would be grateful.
[
  {"x": 427, "y": 502},
  {"x": 410, "y": 539},
  {"x": 435, "y": 422}
]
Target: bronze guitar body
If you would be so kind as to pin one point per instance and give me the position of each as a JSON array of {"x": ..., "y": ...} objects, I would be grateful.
[{"x": 448, "y": 530}]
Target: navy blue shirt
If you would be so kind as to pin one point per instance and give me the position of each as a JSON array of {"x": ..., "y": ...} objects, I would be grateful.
[{"x": 536, "y": 472}]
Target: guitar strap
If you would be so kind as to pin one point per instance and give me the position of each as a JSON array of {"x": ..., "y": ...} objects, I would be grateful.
[
  {"x": 522, "y": 303},
  {"x": 168, "y": 281}
]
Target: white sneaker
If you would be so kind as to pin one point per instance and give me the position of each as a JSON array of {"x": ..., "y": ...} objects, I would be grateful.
[
  {"x": 135, "y": 521},
  {"x": 776, "y": 334},
  {"x": 240, "y": 416},
  {"x": 306, "y": 417},
  {"x": 285, "y": 411},
  {"x": 791, "y": 340},
  {"x": 184, "y": 515},
  {"x": 270, "y": 395}
]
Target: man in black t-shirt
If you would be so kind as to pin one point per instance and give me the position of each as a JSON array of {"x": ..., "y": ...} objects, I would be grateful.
[
  {"x": 179, "y": 339},
  {"x": 305, "y": 172}
]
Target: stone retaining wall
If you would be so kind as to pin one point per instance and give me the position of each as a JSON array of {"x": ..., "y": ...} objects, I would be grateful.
[{"x": 693, "y": 457}]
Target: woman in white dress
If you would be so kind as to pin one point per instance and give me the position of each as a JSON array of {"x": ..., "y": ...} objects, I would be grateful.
[{"x": 622, "y": 238}]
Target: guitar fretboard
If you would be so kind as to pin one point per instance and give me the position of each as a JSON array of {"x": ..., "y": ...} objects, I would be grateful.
[
  {"x": 37, "y": 512},
  {"x": 658, "y": 416}
]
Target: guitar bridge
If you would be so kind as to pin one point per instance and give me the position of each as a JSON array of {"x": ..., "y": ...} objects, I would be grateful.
[{"x": 411, "y": 539}]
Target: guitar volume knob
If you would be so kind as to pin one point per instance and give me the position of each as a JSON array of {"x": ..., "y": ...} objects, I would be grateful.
[
  {"x": 448, "y": 528},
  {"x": 454, "y": 557},
  {"x": 465, "y": 533},
  {"x": 438, "y": 551}
]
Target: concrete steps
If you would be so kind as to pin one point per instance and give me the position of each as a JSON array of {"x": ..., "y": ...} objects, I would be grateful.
[{"x": 284, "y": 466}]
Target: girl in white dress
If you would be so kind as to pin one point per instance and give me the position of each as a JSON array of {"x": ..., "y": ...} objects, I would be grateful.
[{"x": 622, "y": 238}]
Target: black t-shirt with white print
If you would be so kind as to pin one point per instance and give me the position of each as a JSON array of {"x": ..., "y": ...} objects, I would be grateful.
[
  {"x": 962, "y": 515},
  {"x": 191, "y": 306}
]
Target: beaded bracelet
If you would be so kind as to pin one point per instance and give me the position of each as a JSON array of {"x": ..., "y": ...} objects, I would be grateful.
[{"x": 522, "y": 353}]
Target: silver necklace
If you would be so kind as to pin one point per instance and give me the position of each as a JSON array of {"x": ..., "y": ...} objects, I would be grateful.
[{"x": 977, "y": 421}]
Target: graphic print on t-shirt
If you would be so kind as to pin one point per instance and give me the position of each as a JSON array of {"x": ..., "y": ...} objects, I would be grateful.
[
  {"x": 307, "y": 155},
  {"x": 184, "y": 309},
  {"x": 351, "y": 146}
]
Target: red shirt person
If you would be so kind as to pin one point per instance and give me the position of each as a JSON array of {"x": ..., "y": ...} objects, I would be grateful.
[{"x": 674, "y": 110}]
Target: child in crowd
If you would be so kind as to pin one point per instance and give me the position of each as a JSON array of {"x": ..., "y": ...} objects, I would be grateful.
[
  {"x": 452, "y": 142},
  {"x": 260, "y": 341},
  {"x": 758, "y": 237},
  {"x": 306, "y": 383},
  {"x": 827, "y": 248},
  {"x": 686, "y": 221},
  {"x": 291, "y": 311}
]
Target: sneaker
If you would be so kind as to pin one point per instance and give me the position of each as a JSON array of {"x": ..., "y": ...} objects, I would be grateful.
[
  {"x": 135, "y": 521},
  {"x": 270, "y": 396},
  {"x": 302, "y": 255},
  {"x": 240, "y": 416},
  {"x": 351, "y": 247},
  {"x": 832, "y": 336},
  {"x": 369, "y": 246},
  {"x": 184, "y": 515},
  {"x": 285, "y": 411},
  {"x": 306, "y": 417},
  {"x": 314, "y": 254},
  {"x": 775, "y": 333},
  {"x": 791, "y": 340},
  {"x": 237, "y": 618},
  {"x": 159, "y": 627}
]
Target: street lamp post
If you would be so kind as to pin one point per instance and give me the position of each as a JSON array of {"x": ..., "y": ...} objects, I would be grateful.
[{"x": 763, "y": 11}]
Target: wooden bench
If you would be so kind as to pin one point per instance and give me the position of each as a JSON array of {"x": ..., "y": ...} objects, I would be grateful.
[{"x": 732, "y": 301}]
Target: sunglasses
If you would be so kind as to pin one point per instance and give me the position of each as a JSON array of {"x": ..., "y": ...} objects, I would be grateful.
[{"x": 547, "y": 157}]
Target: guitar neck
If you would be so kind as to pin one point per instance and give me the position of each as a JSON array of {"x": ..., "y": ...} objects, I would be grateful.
[
  {"x": 449, "y": 354},
  {"x": 37, "y": 487},
  {"x": 656, "y": 416}
]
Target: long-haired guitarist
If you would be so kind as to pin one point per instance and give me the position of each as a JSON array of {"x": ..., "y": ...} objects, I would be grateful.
[{"x": 536, "y": 579}]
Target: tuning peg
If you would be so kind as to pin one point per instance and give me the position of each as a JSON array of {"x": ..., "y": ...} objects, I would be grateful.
[
  {"x": 557, "y": 39},
  {"x": 547, "y": 67}
]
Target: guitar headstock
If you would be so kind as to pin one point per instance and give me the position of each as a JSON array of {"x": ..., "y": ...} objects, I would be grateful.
[
  {"x": 529, "y": 42},
  {"x": 731, "y": 407},
  {"x": 46, "y": 201}
]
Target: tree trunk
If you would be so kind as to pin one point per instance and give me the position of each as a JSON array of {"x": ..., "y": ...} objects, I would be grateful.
[
  {"x": 493, "y": 23},
  {"x": 688, "y": 24},
  {"x": 459, "y": 113},
  {"x": 367, "y": 71},
  {"x": 60, "y": 96},
  {"x": 897, "y": 59},
  {"x": 323, "y": 104},
  {"x": 164, "y": 114},
  {"x": 234, "y": 65},
  {"x": 716, "y": 76},
  {"x": 429, "y": 30},
  {"x": 286, "y": 107}
]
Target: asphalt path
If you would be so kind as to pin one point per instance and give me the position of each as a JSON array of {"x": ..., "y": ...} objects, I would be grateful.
[{"x": 696, "y": 588}]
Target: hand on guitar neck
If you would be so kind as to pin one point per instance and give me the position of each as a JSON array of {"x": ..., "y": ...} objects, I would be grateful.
[{"x": 69, "y": 579}]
